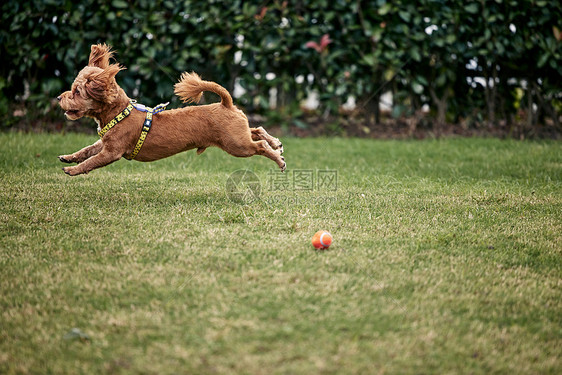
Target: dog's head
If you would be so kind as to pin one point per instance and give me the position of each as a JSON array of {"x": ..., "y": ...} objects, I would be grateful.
[{"x": 94, "y": 87}]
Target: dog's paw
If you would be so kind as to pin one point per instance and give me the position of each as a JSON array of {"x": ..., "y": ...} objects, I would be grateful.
[
  {"x": 277, "y": 145},
  {"x": 65, "y": 158},
  {"x": 71, "y": 171},
  {"x": 283, "y": 166}
]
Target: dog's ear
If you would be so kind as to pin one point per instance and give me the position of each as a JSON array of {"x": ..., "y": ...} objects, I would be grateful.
[
  {"x": 102, "y": 86},
  {"x": 100, "y": 55}
]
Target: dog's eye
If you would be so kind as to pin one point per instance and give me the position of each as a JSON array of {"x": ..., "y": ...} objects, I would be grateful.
[{"x": 77, "y": 92}]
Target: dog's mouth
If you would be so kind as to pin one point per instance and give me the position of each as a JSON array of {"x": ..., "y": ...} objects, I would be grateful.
[{"x": 72, "y": 114}]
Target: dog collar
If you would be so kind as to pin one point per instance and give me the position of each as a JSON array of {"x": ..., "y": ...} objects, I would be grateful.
[
  {"x": 147, "y": 124},
  {"x": 124, "y": 113}
]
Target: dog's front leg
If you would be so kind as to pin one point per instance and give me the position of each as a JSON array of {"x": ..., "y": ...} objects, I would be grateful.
[
  {"x": 104, "y": 157},
  {"x": 84, "y": 154}
]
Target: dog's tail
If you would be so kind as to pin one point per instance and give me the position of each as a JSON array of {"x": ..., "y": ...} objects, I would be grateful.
[{"x": 190, "y": 89}]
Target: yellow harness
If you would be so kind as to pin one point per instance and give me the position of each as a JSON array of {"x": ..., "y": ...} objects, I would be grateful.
[
  {"x": 145, "y": 127},
  {"x": 124, "y": 113}
]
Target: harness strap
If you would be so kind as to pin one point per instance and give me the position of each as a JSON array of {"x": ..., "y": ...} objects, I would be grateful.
[
  {"x": 126, "y": 112},
  {"x": 146, "y": 126}
]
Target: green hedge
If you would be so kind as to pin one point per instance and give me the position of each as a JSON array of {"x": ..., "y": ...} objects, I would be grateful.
[{"x": 437, "y": 53}]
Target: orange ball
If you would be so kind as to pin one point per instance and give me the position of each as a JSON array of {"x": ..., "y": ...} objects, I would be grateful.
[{"x": 322, "y": 240}]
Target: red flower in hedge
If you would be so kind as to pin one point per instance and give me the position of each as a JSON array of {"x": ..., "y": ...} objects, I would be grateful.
[
  {"x": 324, "y": 41},
  {"x": 260, "y": 16}
]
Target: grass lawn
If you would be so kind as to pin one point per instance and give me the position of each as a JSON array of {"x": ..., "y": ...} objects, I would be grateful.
[{"x": 447, "y": 258}]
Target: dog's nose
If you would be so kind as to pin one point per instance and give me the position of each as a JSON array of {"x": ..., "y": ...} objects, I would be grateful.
[{"x": 59, "y": 98}]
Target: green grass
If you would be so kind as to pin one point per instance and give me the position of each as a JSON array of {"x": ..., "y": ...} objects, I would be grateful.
[{"x": 447, "y": 258}]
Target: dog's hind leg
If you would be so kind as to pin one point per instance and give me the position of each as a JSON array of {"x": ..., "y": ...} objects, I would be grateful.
[
  {"x": 251, "y": 148},
  {"x": 261, "y": 134},
  {"x": 84, "y": 154},
  {"x": 263, "y": 148}
]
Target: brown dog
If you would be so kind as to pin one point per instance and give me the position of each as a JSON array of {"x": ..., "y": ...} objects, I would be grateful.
[{"x": 96, "y": 94}]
